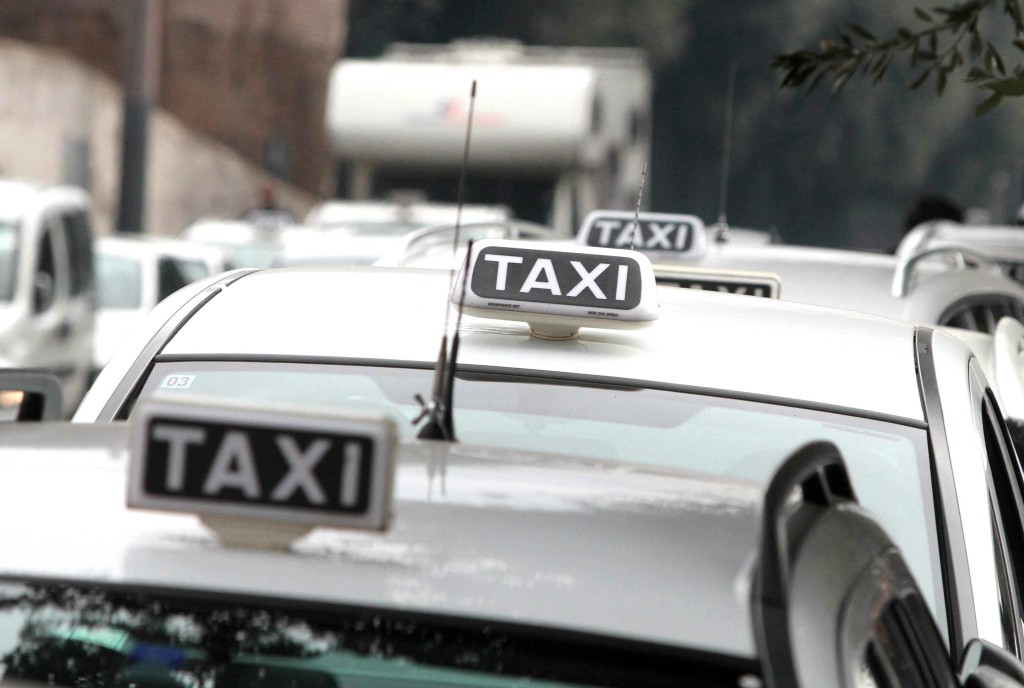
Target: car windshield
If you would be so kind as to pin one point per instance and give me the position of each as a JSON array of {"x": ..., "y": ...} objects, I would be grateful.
[
  {"x": 72, "y": 636},
  {"x": 119, "y": 280},
  {"x": 889, "y": 462},
  {"x": 9, "y": 235}
]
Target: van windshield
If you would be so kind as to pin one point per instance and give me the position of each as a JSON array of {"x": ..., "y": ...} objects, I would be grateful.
[{"x": 9, "y": 240}]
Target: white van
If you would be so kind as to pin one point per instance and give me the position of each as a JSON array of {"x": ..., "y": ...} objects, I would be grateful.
[
  {"x": 136, "y": 272},
  {"x": 47, "y": 294}
]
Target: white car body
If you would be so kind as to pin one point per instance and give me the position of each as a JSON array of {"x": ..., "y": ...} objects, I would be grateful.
[
  {"x": 758, "y": 350},
  {"x": 364, "y": 232},
  {"x": 47, "y": 295}
]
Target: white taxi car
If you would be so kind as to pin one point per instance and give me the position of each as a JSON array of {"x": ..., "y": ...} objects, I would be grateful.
[
  {"x": 1003, "y": 243},
  {"x": 218, "y": 544},
  {"x": 611, "y": 367},
  {"x": 939, "y": 285}
]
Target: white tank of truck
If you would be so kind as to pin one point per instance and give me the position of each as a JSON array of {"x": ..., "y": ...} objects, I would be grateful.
[{"x": 557, "y": 132}]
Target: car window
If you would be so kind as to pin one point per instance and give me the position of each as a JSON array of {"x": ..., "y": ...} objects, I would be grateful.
[
  {"x": 9, "y": 247},
  {"x": 889, "y": 462},
  {"x": 169, "y": 277},
  {"x": 45, "y": 281},
  {"x": 119, "y": 281},
  {"x": 1007, "y": 507},
  {"x": 69, "y": 635},
  {"x": 78, "y": 239}
]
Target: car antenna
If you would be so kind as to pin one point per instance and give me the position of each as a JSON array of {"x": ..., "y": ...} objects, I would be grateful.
[
  {"x": 722, "y": 225},
  {"x": 438, "y": 412},
  {"x": 636, "y": 214}
]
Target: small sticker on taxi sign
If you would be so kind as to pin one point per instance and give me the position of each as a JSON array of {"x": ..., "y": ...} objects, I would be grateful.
[
  {"x": 681, "y": 235},
  {"x": 266, "y": 464}
]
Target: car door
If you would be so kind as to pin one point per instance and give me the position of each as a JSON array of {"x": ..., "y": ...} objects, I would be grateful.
[{"x": 49, "y": 344}]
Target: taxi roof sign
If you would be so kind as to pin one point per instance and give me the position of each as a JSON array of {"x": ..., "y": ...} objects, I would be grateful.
[
  {"x": 235, "y": 464},
  {"x": 658, "y": 233},
  {"x": 557, "y": 290}
]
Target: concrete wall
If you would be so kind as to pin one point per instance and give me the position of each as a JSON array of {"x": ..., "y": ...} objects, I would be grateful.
[
  {"x": 60, "y": 122},
  {"x": 251, "y": 74}
]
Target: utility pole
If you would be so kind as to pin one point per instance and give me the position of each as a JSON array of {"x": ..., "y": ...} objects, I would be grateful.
[{"x": 141, "y": 87}]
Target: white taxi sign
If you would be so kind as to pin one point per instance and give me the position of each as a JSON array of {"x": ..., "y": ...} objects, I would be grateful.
[
  {"x": 764, "y": 284},
  {"x": 274, "y": 465},
  {"x": 557, "y": 291},
  {"x": 661, "y": 233}
]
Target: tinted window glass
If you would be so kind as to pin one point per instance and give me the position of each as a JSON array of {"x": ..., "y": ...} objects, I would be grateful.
[
  {"x": 78, "y": 237},
  {"x": 170, "y": 278},
  {"x": 45, "y": 282}
]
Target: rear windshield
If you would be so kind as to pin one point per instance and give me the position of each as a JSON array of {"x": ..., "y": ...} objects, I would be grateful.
[
  {"x": 70, "y": 636},
  {"x": 889, "y": 462}
]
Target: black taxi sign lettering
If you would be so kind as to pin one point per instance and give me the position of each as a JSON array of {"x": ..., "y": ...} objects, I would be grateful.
[
  {"x": 266, "y": 464},
  {"x": 682, "y": 235},
  {"x": 727, "y": 282},
  {"x": 557, "y": 290}
]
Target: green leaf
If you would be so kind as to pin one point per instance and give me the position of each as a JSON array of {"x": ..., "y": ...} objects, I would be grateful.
[
  {"x": 988, "y": 104},
  {"x": 923, "y": 15},
  {"x": 940, "y": 83},
  {"x": 840, "y": 81},
  {"x": 1012, "y": 86},
  {"x": 861, "y": 31},
  {"x": 919, "y": 80},
  {"x": 904, "y": 33},
  {"x": 998, "y": 59},
  {"x": 1019, "y": 44}
]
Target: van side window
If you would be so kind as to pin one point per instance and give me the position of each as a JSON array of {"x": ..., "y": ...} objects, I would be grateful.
[
  {"x": 169, "y": 277},
  {"x": 44, "y": 283},
  {"x": 78, "y": 237}
]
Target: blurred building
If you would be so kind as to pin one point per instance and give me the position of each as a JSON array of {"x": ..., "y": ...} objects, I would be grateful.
[{"x": 249, "y": 75}]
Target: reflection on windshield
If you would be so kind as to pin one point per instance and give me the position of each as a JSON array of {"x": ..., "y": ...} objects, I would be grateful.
[
  {"x": 889, "y": 463},
  {"x": 8, "y": 260},
  {"x": 70, "y": 636},
  {"x": 119, "y": 281}
]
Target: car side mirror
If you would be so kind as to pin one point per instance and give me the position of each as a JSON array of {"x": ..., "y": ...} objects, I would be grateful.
[
  {"x": 985, "y": 665},
  {"x": 27, "y": 395},
  {"x": 42, "y": 292}
]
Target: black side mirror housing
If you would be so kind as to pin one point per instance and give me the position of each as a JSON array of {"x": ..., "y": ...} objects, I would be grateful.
[
  {"x": 29, "y": 394},
  {"x": 985, "y": 665}
]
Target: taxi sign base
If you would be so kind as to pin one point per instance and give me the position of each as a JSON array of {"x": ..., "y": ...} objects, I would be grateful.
[
  {"x": 249, "y": 534},
  {"x": 553, "y": 333}
]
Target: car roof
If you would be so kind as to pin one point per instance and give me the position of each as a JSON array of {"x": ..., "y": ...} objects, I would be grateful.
[
  {"x": 745, "y": 346},
  {"x": 20, "y": 197},
  {"x": 476, "y": 532}
]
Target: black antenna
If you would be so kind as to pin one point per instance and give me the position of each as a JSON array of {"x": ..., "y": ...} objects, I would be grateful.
[
  {"x": 438, "y": 411},
  {"x": 636, "y": 214},
  {"x": 722, "y": 226}
]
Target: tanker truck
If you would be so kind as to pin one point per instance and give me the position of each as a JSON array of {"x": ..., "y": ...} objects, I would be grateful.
[{"x": 557, "y": 132}]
